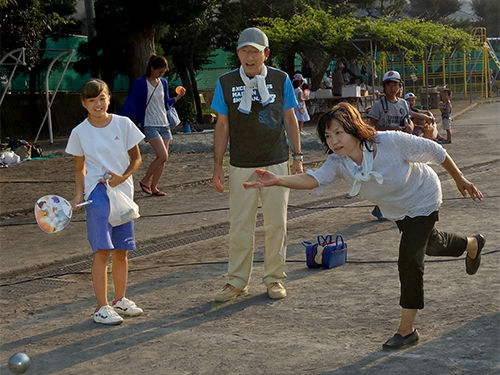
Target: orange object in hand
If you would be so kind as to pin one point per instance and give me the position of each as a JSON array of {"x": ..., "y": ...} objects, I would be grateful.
[{"x": 178, "y": 90}]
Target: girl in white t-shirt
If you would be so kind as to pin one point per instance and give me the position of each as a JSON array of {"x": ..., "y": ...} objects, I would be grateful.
[
  {"x": 390, "y": 169},
  {"x": 105, "y": 143}
]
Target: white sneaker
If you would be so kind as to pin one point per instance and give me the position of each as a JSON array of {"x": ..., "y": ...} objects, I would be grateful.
[
  {"x": 106, "y": 315},
  {"x": 127, "y": 307}
]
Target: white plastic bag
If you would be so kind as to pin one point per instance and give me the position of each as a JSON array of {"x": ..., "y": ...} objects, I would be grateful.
[
  {"x": 9, "y": 158},
  {"x": 122, "y": 208}
]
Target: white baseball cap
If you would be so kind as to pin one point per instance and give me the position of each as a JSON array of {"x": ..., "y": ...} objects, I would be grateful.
[
  {"x": 410, "y": 95},
  {"x": 253, "y": 37},
  {"x": 391, "y": 75}
]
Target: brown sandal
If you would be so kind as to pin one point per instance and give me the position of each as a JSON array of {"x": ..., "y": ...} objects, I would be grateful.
[{"x": 145, "y": 188}]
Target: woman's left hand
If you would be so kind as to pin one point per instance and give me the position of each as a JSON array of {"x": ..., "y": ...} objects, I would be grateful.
[
  {"x": 180, "y": 91},
  {"x": 465, "y": 185}
]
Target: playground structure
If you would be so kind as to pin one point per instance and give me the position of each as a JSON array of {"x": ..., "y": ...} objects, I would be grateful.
[
  {"x": 20, "y": 60},
  {"x": 464, "y": 72}
]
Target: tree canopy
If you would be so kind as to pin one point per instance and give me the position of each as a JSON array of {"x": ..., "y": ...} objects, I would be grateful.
[
  {"x": 432, "y": 9},
  {"x": 489, "y": 13},
  {"x": 188, "y": 31},
  {"x": 319, "y": 37}
]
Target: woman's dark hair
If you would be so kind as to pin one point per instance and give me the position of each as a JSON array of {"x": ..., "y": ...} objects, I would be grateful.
[
  {"x": 350, "y": 119},
  {"x": 156, "y": 62}
]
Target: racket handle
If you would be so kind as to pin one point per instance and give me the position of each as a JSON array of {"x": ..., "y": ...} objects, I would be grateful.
[{"x": 83, "y": 204}]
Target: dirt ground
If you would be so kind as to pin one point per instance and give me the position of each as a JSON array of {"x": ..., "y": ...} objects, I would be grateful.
[{"x": 332, "y": 322}]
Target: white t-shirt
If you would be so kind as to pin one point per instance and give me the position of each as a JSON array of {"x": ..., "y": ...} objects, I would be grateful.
[
  {"x": 105, "y": 149},
  {"x": 410, "y": 187},
  {"x": 156, "y": 114}
]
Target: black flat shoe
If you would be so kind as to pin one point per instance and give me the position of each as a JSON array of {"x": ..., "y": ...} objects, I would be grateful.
[
  {"x": 472, "y": 265},
  {"x": 398, "y": 342}
]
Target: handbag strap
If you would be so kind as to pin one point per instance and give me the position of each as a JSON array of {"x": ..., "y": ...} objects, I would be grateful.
[
  {"x": 152, "y": 95},
  {"x": 339, "y": 236},
  {"x": 323, "y": 240}
]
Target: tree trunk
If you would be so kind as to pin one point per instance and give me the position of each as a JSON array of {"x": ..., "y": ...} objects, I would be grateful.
[
  {"x": 141, "y": 46},
  {"x": 319, "y": 64},
  {"x": 192, "y": 74},
  {"x": 196, "y": 94}
]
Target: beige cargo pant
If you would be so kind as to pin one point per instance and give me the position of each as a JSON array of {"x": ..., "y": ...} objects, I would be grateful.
[{"x": 243, "y": 203}]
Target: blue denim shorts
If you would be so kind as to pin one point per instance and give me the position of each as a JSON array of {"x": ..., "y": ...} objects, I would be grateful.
[
  {"x": 158, "y": 131},
  {"x": 101, "y": 235}
]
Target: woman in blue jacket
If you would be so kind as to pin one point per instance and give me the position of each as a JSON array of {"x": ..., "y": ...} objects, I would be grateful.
[{"x": 147, "y": 104}]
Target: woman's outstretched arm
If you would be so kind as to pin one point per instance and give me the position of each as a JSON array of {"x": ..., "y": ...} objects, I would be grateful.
[{"x": 301, "y": 181}]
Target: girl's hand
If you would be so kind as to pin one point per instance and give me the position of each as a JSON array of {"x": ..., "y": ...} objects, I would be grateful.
[
  {"x": 465, "y": 185},
  {"x": 76, "y": 200},
  {"x": 115, "y": 179},
  {"x": 266, "y": 179}
]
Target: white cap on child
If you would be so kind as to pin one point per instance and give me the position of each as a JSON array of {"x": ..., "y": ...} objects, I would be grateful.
[{"x": 391, "y": 75}]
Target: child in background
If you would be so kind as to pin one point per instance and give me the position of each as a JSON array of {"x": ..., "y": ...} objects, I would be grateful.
[
  {"x": 300, "y": 109},
  {"x": 105, "y": 143},
  {"x": 390, "y": 113},
  {"x": 445, "y": 109},
  {"x": 423, "y": 121}
]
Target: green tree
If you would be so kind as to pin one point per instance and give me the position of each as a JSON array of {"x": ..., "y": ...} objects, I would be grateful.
[
  {"x": 128, "y": 32},
  {"x": 316, "y": 35},
  {"x": 432, "y": 9},
  {"x": 4, "y": 3},
  {"x": 489, "y": 13},
  {"x": 324, "y": 37},
  {"x": 377, "y": 9},
  {"x": 28, "y": 24}
]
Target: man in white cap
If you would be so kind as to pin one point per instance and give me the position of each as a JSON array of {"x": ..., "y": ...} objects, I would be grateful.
[{"x": 252, "y": 103}]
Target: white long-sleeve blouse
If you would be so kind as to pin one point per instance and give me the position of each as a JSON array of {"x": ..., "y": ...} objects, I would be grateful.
[{"x": 410, "y": 186}]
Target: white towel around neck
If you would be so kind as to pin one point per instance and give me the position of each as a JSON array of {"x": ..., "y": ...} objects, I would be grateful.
[
  {"x": 258, "y": 81},
  {"x": 363, "y": 172}
]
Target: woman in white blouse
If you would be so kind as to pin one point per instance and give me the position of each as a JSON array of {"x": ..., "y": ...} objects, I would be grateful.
[{"x": 390, "y": 169}]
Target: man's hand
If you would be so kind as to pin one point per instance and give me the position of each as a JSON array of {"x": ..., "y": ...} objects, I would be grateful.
[
  {"x": 218, "y": 179},
  {"x": 297, "y": 167}
]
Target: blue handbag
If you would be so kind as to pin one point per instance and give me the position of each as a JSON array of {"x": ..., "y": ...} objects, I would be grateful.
[
  {"x": 326, "y": 253},
  {"x": 173, "y": 117}
]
